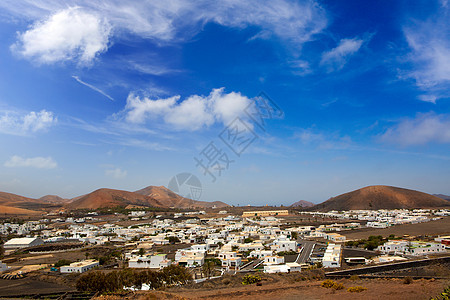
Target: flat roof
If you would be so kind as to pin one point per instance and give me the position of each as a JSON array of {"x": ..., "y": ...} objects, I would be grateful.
[
  {"x": 17, "y": 241},
  {"x": 83, "y": 263}
]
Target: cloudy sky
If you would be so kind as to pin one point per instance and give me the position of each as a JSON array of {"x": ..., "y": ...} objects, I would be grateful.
[{"x": 126, "y": 94}]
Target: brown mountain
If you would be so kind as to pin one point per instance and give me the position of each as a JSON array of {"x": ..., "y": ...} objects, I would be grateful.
[
  {"x": 303, "y": 203},
  {"x": 15, "y": 204},
  {"x": 381, "y": 197},
  {"x": 445, "y": 197},
  {"x": 170, "y": 199},
  {"x": 111, "y": 198},
  {"x": 54, "y": 199}
]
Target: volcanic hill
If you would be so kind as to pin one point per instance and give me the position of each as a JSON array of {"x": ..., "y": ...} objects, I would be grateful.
[{"x": 381, "y": 197}]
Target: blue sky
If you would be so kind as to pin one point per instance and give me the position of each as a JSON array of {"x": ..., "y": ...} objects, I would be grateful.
[{"x": 128, "y": 94}]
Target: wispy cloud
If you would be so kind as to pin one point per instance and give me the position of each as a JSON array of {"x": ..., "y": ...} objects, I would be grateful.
[
  {"x": 70, "y": 34},
  {"x": 93, "y": 87},
  {"x": 83, "y": 31},
  {"x": 429, "y": 54},
  {"x": 336, "y": 58},
  {"x": 17, "y": 124},
  {"x": 116, "y": 173},
  {"x": 423, "y": 129},
  {"x": 322, "y": 140},
  {"x": 33, "y": 162}
]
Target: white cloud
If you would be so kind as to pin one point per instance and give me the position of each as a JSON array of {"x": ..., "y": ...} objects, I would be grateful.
[
  {"x": 430, "y": 53},
  {"x": 70, "y": 34},
  {"x": 336, "y": 58},
  {"x": 13, "y": 123},
  {"x": 193, "y": 113},
  {"x": 321, "y": 140},
  {"x": 33, "y": 162},
  {"x": 116, "y": 173},
  {"x": 81, "y": 32},
  {"x": 425, "y": 128},
  {"x": 428, "y": 98}
]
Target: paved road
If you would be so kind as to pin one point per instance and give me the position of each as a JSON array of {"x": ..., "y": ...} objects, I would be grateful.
[
  {"x": 252, "y": 265},
  {"x": 307, "y": 247}
]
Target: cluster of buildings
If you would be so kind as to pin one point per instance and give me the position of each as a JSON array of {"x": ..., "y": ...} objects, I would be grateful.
[
  {"x": 414, "y": 248},
  {"x": 22, "y": 228},
  {"x": 383, "y": 218},
  {"x": 257, "y": 235}
]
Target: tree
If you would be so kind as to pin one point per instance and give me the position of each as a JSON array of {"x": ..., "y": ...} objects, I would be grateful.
[
  {"x": 294, "y": 235},
  {"x": 173, "y": 239},
  {"x": 141, "y": 252},
  {"x": 208, "y": 268},
  {"x": 62, "y": 262}
]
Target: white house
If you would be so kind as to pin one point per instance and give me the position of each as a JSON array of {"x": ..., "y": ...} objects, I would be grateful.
[
  {"x": 189, "y": 257},
  {"x": 411, "y": 248},
  {"x": 273, "y": 260},
  {"x": 18, "y": 243},
  {"x": 284, "y": 268},
  {"x": 260, "y": 253},
  {"x": 191, "y": 261},
  {"x": 332, "y": 256},
  {"x": 157, "y": 261},
  {"x": 230, "y": 259},
  {"x": 80, "y": 267},
  {"x": 200, "y": 247},
  {"x": 283, "y": 244},
  {"x": 393, "y": 247},
  {"x": 335, "y": 237}
]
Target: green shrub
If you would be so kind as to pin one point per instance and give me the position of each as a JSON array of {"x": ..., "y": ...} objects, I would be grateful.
[
  {"x": 332, "y": 284},
  {"x": 328, "y": 283},
  {"x": 338, "y": 286},
  {"x": 354, "y": 277},
  {"x": 250, "y": 279},
  {"x": 62, "y": 262},
  {"x": 356, "y": 289},
  {"x": 97, "y": 281}
]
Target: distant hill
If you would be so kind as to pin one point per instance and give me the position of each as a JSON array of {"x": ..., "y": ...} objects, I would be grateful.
[
  {"x": 302, "y": 203},
  {"x": 102, "y": 198},
  {"x": 445, "y": 197},
  {"x": 170, "y": 199},
  {"x": 381, "y": 197},
  {"x": 151, "y": 196},
  {"x": 9, "y": 201},
  {"x": 54, "y": 199}
]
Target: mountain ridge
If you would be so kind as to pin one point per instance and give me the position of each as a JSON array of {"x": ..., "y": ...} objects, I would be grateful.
[{"x": 381, "y": 197}]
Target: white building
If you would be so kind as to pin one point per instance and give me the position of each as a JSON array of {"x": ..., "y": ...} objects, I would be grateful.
[
  {"x": 283, "y": 244},
  {"x": 80, "y": 267},
  {"x": 157, "y": 261},
  {"x": 411, "y": 248},
  {"x": 285, "y": 268},
  {"x": 332, "y": 256},
  {"x": 335, "y": 237},
  {"x": 273, "y": 260},
  {"x": 18, "y": 243},
  {"x": 260, "y": 253},
  {"x": 424, "y": 248},
  {"x": 137, "y": 213},
  {"x": 230, "y": 260},
  {"x": 189, "y": 257}
]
